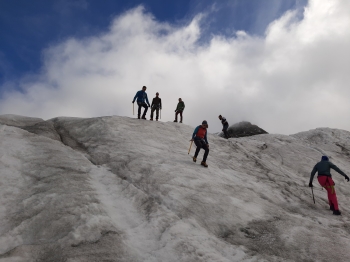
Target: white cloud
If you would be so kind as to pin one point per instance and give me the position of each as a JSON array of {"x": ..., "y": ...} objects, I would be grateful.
[{"x": 294, "y": 78}]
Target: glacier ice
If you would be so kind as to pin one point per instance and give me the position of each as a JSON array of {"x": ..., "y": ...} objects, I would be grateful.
[{"x": 122, "y": 189}]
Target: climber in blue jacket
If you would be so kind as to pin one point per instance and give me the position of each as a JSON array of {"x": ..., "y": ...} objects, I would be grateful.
[{"x": 141, "y": 102}]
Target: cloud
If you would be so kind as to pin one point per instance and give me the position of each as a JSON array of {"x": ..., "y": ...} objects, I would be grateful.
[{"x": 293, "y": 78}]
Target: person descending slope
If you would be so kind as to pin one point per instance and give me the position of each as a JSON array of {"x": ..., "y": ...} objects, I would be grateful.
[
  {"x": 156, "y": 105},
  {"x": 141, "y": 99},
  {"x": 224, "y": 126},
  {"x": 325, "y": 179},
  {"x": 200, "y": 139},
  {"x": 179, "y": 109}
]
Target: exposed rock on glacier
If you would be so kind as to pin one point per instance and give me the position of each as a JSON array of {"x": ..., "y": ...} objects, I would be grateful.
[
  {"x": 121, "y": 189},
  {"x": 243, "y": 129}
]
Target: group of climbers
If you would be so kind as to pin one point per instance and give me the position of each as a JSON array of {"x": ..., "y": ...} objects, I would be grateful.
[
  {"x": 199, "y": 137},
  {"x": 142, "y": 101},
  {"x": 200, "y": 133}
]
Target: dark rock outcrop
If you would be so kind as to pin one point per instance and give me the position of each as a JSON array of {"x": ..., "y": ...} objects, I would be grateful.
[{"x": 243, "y": 129}]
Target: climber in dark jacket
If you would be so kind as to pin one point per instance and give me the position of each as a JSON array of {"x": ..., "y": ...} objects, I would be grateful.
[
  {"x": 156, "y": 105},
  {"x": 199, "y": 137},
  {"x": 224, "y": 126},
  {"x": 179, "y": 109},
  {"x": 141, "y": 99},
  {"x": 325, "y": 179}
]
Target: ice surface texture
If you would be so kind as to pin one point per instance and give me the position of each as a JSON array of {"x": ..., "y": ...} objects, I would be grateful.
[{"x": 121, "y": 189}]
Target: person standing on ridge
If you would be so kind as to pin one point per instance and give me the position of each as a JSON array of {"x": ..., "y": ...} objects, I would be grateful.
[
  {"x": 200, "y": 139},
  {"x": 179, "y": 109},
  {"x": 141, "y": 99},
  {"x": 325, "y": 179},
  {"x": 224, "y": 126},
  {"x": 156, "y": 105}
]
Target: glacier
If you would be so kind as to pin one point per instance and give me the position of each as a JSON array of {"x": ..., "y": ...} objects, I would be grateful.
[{"x": 121, "y": 189}]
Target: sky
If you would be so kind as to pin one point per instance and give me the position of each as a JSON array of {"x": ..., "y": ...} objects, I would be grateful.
[{"x": 282, "y": 65}]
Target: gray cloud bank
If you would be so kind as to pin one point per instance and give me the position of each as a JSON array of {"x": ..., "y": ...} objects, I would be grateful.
[{"x": 294, "y": 78}]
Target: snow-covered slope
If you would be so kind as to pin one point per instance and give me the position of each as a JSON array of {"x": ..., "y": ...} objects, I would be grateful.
[
  {"x": 121, "y": 189},
  {"x": 19, "y": 121}
]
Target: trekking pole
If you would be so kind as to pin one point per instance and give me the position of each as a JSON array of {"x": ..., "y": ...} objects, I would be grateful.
[
  {"x": 190, "y": 147},
  {"x": 133, "y": 109},
  {"x": 160, "y": 117},
  {"x": 313, "y": 197}
]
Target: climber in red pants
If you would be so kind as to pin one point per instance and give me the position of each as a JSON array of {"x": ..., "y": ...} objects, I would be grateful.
[{"x": 325, "y": 179}]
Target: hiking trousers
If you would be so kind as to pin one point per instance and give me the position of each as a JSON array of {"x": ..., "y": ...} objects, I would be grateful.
[
  {"x": 140, "y": 104},
  {"x": 157, "y": 112},
  {"x": 225, "y": 131},
  {"x": 178, "y": 112},
  {"x": 328, "y": 183},
  {"x": 200, "y": 143}
]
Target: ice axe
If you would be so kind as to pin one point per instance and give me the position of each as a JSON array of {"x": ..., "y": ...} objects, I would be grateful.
[
  {"x": 190, "y": 147},
  {"x": 313, "y": 197}
]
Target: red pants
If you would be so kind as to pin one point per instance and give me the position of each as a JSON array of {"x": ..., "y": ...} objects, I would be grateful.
[{"x": 328, "y": 184}]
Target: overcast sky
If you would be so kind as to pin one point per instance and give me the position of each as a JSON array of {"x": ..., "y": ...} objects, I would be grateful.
[{"x": 284, "y": 67}]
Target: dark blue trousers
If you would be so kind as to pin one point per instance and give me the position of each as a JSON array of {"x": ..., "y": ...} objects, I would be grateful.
[
  {"x": 200, "y": 143},
  {"x": 140, "y": 104}
]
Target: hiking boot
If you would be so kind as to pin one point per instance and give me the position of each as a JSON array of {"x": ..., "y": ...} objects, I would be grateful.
[
  {"x": 138, "y": 117},
  {"x": 180, "y": 122},
  {"x": 204, "y": 164},
  {"x": 331, "y": 207},
  {"x": 143, "y": 117},
  {"x": 175, "y": 121},
  {"x": 151, "y": 119},
  {"x": 336, "y": 212},
  {"x": 194, "y": 159},
  {"x": 156, "y": 119}
]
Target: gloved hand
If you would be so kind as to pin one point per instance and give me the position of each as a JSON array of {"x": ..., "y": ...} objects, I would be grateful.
[
  {"x": 133, "y": 102},
  {"x": 310, "y": 184},
  {"x": 346, "y": 178},
  {"x": 175, "y": 110}
]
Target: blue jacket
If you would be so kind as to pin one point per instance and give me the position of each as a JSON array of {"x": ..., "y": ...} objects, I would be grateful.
[
  {"x": 141, "y": 97},
  {"x": 195, "y": 133}
]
